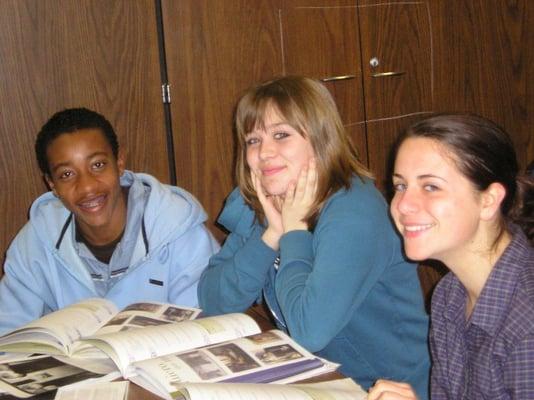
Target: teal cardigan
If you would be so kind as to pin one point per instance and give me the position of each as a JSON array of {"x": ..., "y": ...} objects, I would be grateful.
[{"x": 343, "y": 291}]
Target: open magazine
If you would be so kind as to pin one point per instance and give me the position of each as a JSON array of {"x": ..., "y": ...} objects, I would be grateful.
[
  {"x": 341, "y": 389},
  {"x": 260, "y": 358}
]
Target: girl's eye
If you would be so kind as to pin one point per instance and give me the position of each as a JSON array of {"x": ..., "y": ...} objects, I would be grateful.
[
  {"x": 251, "y": 141},
  {"x": 399, "y": 187},
  {"x": 431, "y": 188},
  {"x": 281, "y": 135}
]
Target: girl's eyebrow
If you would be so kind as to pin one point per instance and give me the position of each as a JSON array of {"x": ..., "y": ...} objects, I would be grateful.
[
  {"x": 267, "y": 127},
  {"x": 275, "y": 125},
  {"x": 419, "y": 177},
  {"x": 425, "y": 176}
]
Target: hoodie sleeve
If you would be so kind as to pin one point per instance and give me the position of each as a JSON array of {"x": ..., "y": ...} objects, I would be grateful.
[
  {"x": 193, "y": 251},
  {"x": 21, "y": 300}
]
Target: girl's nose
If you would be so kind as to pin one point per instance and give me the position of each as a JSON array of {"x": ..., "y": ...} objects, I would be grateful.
[
  {"x": 406, "y": 202},
  {"x": 267, "y": 149}
]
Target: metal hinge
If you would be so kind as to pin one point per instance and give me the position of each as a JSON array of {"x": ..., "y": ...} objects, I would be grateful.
[{"x": 166, "y": 93}]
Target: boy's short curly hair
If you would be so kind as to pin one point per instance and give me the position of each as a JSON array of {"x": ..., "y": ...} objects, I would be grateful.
[{"x": 69, "y": 121}]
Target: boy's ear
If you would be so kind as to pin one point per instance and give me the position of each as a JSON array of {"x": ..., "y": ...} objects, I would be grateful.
[
  {"x": 49, "y": 183},
  {"x": 121, "y": 163},
  {"x": 492, "y": 198}
]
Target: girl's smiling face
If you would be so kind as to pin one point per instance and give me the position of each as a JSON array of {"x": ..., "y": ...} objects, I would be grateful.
[
  {"x": 276, "y": 152},
  {"x": 436, "y": 208}
]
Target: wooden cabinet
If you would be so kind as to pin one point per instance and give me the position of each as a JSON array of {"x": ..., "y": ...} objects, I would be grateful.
[{"x": 484, "y": 63}]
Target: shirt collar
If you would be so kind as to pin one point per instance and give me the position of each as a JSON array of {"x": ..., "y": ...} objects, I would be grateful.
[{"x": 498, "y": 291}]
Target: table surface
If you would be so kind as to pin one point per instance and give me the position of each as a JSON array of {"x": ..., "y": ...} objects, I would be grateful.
[{"x": 135, "y": 392}]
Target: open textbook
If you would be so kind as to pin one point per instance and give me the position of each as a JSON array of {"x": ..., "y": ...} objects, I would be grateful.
[
  {"x": 63, "y": 332},
  {"x": 93, "y": 332},
  {"x": 341, "y": 389},
  {"x": 26, "y": 376},
  {"x": 264, "y": 357}
]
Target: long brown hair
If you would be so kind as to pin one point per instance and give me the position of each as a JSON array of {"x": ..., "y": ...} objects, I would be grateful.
[{"x": 308, "y": 107}]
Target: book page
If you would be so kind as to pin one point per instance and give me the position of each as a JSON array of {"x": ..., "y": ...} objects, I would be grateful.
[
  {"x": 265, "y": 357},
  {"x": 35, "y": 375},
  {"x": 344, "y": 389},
  {"x": 140, "y": 315},
  {"x": 136, "y": 316},
  {"x": 97, "y": 391},
  {"x": 55, "y": 332},
  {"x": 129, "y": 346}
]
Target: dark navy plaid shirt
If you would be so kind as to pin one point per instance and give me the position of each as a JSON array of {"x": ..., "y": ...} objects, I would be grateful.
[{"x": 490, "y": 356}]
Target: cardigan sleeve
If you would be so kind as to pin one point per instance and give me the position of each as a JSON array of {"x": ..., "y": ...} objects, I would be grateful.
[
  {"x": 325, "y": 276},
  {"x": 236, "y": 275}
]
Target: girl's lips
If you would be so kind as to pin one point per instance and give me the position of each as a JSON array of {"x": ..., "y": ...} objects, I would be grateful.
[
  {"x": 271, "y": 171},
  {"x": 414, "y": 230}
]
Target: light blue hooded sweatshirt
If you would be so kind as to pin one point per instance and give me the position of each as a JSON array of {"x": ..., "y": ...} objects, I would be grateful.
[{"x": 44, "y": 272}]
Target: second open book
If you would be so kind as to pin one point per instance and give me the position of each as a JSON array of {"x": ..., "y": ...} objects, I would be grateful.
[{"x": 145, "y": 341}]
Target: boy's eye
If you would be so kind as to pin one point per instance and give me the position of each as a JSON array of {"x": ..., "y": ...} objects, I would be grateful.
[
  {"x": 65, "y": 174},
  {"x": 99, "y": 165}
]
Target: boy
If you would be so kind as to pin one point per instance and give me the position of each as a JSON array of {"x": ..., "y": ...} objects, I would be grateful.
[{"x": 102, "y": 230}]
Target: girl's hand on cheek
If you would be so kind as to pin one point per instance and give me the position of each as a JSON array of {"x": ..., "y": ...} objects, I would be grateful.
[
  {"x": 270, "y": 205},
  {"x": 299, "y": 199}
]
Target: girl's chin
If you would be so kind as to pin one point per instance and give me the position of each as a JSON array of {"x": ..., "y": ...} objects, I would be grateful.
[{"x": 275, "y": 191}]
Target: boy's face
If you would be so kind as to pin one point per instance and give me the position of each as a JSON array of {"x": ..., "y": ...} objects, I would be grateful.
[{"x": 84, "y": 174}]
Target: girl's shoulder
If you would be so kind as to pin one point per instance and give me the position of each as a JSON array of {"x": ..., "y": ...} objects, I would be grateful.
[
  {"x": 361, "y": 196},
  {"x": 236, "y": 216}
]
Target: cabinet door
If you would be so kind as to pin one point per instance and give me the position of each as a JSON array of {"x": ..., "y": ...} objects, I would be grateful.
[
  {"x": 215, "y": 50},
  {"x": 100, "y": 54},
  {"x": 320, "y": 40},
  {"x": 485, "y": 63},
  {"x": 397, "y": 70}
]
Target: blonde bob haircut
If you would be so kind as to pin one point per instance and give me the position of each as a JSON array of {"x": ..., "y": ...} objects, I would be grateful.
[{"x": 307, "y": 106}]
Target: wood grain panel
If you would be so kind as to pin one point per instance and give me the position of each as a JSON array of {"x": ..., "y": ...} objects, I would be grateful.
[
  {"x": 485, "y": 64},
  {"x": 358, "y": 136},
  {"x": 215, "y": 50},
  {"x": 323, "y": 42},
  {"x": 99, "y": 54},
  {"x": 381, "y": 135},
  {"x": 399, "y": 37}
]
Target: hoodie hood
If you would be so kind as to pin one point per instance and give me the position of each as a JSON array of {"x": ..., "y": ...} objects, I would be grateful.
[{"x": 169, "y": 213}]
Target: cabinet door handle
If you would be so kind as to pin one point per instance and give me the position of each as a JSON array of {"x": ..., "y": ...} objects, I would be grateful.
[
  {"x": 338, "y": 78},
  {"x": 383, "y": 74}
]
